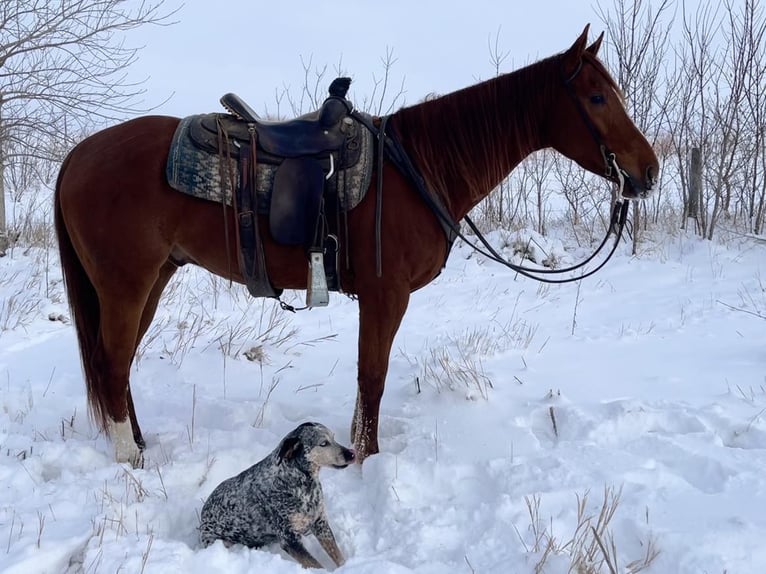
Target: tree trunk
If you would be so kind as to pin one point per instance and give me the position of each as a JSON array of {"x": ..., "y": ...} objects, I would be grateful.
[{"x": 4, "y": 242}]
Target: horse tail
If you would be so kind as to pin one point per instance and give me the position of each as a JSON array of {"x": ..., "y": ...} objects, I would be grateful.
[{"x": 84, "y": 307}]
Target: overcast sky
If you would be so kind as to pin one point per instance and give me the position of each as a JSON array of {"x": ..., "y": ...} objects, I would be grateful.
[{"x": 255, "y": 48}]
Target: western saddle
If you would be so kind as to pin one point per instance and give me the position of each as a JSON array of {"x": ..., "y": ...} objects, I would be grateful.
[{"x": 307, "y": 151}]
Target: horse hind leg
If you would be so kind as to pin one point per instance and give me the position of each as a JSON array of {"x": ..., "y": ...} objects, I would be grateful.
[
  {"x": 150, "y": 308},
  {"x": 138, "y": 437},
  {"x": 125, "y": 447},
  {"x": 118, "y": 332}
]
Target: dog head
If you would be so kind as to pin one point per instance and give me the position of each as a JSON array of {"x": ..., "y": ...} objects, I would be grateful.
[{"x": 314, "y": 445}]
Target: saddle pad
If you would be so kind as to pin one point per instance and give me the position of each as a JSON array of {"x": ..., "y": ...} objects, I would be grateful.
[{"x": 195, "y": 172}]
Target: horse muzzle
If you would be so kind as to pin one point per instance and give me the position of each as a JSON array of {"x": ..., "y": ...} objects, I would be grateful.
[{"x": 632, "y": 187}]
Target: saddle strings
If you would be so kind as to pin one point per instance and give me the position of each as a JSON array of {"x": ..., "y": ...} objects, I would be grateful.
[{"x": 225, "y": 159}]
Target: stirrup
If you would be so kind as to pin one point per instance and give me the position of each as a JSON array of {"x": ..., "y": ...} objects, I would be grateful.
[{"x": 317, "y": 294}]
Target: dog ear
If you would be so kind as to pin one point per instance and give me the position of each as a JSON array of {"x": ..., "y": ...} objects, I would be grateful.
[{"x": 290, "y": 448}]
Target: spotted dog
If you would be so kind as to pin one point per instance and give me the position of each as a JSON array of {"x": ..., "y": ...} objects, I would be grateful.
[{"x": 279, "y": 499}]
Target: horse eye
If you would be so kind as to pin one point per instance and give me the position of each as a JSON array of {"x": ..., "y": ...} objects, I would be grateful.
[{"x": 598, "y": 99}]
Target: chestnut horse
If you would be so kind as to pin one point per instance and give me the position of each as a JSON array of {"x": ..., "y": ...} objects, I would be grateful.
[{"x": 122, "y": 230}]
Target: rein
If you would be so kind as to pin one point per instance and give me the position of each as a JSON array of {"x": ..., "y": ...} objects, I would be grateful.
[{"x": 616, "y": 225}]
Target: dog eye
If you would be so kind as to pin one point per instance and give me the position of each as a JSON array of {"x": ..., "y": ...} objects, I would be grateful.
[
  {"x": 324, "y": 443},
  {"x": 598, "y": 99}
]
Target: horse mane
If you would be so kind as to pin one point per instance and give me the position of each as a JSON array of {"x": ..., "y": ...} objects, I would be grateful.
[{"x": 493, "y": 124}]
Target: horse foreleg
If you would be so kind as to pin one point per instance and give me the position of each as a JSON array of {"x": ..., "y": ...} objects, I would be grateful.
[{"x": 380, "y": 314}]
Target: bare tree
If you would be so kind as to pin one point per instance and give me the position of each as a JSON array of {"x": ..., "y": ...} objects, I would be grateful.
[
  {"x": 688, "y": 81},
  {"x": 538, "y": 167},
  {"x": 718, "y": 108},
  {"x": 585, "y": 195},
  {"x": 637, "y": 35},
  {"x": 63, "y": 71},
  {"x": 383, "y": 99},
  {"x": 496, "y": 204},
  {"x": 746, "y": 35}
]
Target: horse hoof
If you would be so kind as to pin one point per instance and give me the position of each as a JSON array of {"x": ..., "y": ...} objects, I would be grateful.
[
  {"x": 125, "y": 447},
  {"x": 134, "y": 457}
]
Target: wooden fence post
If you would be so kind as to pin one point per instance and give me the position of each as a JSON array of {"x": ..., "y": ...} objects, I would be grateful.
[
  {"x": 695, "y": 185},
  {"x": 694, "y": 179}
]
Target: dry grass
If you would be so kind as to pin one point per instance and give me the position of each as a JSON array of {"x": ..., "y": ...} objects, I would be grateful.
[
  {"x": 249, "y": 330},
  {"x": 453, "y": 369},
  {"x": 457, "y": 364},
  {"x": 591, "y": 548}
]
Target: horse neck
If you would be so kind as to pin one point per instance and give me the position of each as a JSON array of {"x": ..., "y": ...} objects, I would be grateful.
[{"x": 467, "y": 142}]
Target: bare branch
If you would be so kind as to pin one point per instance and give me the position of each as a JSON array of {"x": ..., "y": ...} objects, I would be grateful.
[{"x": 63, "y": 71}]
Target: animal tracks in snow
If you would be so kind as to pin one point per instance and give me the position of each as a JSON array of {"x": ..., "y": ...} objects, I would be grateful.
[{"x": 672, "y": 442}]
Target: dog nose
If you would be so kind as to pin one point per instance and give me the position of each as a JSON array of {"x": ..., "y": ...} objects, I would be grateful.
[{"x": 349, "y": 455}]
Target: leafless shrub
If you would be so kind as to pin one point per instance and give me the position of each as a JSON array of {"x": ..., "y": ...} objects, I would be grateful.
[
  {"x": 30, "y": 222},
  {"x": 18, "y": 309}
]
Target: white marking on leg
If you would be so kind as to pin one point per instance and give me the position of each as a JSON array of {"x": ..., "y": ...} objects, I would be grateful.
[
  {"x": 359, "y": 440},
  {"x": 125, "y": 447}
]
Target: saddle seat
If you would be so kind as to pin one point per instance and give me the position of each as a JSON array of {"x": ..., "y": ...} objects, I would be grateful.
[{"x": 308, "y": 135}]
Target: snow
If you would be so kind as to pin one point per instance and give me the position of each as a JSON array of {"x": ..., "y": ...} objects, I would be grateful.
[{"x": 651, "y": 371}]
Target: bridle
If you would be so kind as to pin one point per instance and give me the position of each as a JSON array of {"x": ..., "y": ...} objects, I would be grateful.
[{"x": 611, "y": 169}]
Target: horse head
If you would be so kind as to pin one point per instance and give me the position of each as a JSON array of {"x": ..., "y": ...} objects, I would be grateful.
[{"x": 590, "y": 125}]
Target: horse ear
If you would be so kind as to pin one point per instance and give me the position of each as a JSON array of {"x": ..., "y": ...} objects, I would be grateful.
[
  {"x": 594, "y": 47},
  {"x": 573, "y": 56},
  {"x": 290, "y": 448}
]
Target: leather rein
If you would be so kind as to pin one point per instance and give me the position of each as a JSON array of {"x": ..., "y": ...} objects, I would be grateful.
[{"x": 400, "y": 158}]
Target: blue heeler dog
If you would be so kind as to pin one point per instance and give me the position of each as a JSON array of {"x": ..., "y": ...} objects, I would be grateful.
[{"x": 279, "y": 499}]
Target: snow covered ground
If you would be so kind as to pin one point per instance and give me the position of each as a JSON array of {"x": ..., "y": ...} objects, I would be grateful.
[{"x": 637, "y": 396}]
